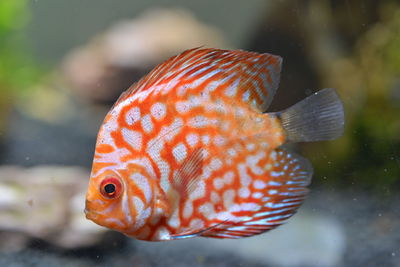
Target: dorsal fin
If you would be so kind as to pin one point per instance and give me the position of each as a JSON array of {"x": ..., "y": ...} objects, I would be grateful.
[
  {"x": 244, "y": 76},
  {"x": 284, "y": 193}
]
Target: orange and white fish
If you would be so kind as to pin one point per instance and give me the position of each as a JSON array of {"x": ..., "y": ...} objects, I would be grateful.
[{"x": 188, "y": 150}]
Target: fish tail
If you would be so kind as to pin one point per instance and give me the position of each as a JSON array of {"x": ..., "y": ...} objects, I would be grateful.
[{"x": 319, "y": 117}]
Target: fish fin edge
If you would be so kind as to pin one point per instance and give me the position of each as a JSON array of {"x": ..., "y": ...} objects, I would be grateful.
[
  {"x": 319, "y": 117},
  {"x": 281, "y": 199}
]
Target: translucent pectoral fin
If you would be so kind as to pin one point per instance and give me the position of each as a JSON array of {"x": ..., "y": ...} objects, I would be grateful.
[{"x": 186, "y": 177}]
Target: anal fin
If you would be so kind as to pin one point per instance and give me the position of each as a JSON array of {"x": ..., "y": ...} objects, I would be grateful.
[
  {"x": 286, "y": 189},
  {"x": 193, "y": 233}
]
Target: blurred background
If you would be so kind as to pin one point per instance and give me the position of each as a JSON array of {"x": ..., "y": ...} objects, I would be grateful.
[{"x": 63, "y": 64}]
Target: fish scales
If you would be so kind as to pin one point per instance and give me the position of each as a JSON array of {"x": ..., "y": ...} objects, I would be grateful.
[{"x": 187, "y": 151}]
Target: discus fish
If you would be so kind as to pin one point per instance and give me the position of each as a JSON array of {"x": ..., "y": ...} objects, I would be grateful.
[{"x": 189, "y": 150}]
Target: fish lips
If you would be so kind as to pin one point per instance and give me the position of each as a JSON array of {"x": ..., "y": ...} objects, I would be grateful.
[{"x": 90, "y": 215}]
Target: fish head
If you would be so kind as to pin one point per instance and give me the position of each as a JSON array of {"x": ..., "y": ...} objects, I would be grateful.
[
  {"x": 119, "y": 194},
  {"x": 119, "y": 199}
]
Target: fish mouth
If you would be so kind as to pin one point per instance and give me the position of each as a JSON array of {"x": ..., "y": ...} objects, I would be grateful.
[{"x": 90, "y": 215}]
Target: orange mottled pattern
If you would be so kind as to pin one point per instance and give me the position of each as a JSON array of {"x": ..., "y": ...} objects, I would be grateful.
[{"x": 193, "y": 153}]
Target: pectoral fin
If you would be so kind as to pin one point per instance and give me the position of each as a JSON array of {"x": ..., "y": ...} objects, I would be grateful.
[{"x": 185, "y": 179}]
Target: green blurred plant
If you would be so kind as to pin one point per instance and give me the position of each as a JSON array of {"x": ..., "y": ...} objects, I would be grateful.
[
  {"x": 17, "y": 68},
  {"x": 368, "y": 155}
]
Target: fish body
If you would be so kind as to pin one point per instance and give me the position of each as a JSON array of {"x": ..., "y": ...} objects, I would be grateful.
[{"x": 189, "y": 150}]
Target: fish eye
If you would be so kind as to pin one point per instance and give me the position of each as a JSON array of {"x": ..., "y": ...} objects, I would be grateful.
[{"x": 111, "y": 187}]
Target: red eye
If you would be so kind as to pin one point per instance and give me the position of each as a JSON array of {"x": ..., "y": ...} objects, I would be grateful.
[{"x": 111, "y": 187}]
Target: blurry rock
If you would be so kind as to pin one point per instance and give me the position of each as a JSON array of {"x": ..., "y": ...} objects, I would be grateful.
[
  {"x": 15, "y": 241},
  {"x": 45, "y": 203},
  {"x": 111, "y": 62}
]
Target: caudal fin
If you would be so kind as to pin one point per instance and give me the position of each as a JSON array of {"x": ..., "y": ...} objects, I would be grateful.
[{"x": 318, "y": 117}]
